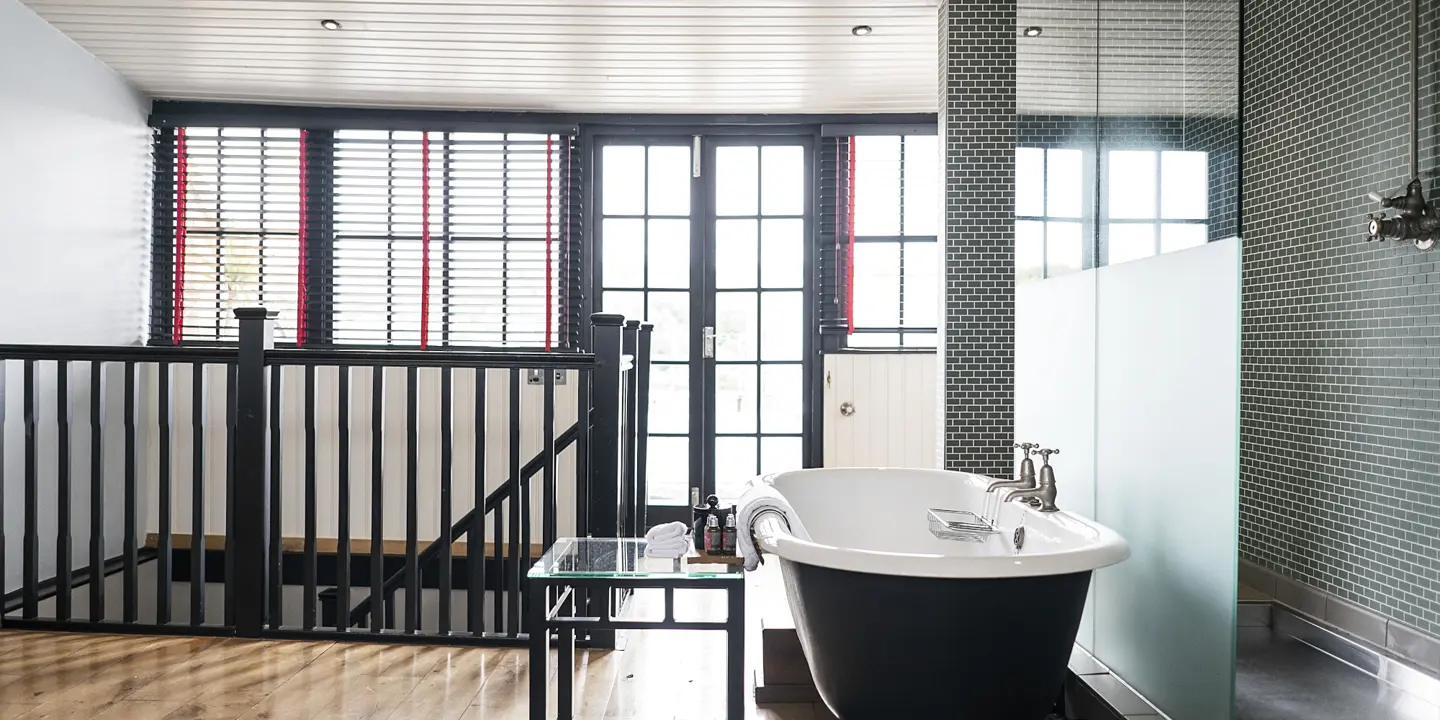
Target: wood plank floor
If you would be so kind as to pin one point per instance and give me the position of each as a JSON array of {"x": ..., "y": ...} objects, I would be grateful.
[{"x": 660, "y": 675}]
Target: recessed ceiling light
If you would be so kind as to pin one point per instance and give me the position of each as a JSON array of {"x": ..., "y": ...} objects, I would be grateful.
[
  {"x": 330, "y": 24},
  {"x": 1034, "y": 31},
  {"x": 861, "y": 30}
]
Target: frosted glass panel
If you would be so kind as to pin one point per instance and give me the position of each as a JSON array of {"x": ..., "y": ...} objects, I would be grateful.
[{"x": 1166, "y": 463}]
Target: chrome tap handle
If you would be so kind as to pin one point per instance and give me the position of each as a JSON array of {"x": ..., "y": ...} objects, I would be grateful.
[
  {"x": 1046, "y": 453},
  {"x": 1027, "y": 447}
]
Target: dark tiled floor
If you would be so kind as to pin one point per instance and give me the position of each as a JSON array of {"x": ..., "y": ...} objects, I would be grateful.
[{"x": 1281, "y": 678}]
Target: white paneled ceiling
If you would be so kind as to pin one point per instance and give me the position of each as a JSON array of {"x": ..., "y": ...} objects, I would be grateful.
[{"x": 622, "y": 56}]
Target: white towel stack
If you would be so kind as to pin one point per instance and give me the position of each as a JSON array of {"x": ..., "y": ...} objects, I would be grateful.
[{"x": 670, "y": 540}]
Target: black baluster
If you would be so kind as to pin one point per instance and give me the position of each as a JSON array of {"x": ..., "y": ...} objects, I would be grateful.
[
  {"x": 642, "y": 427},
  {"x": 498, "y": 602},
  {"x": 197, "y": 495},
  {"x": 475, "y": 536},
  {"x": 97, "y": 495},
  {"x": 30, "y": 559},
  {"x": 517, "y": 491},
  {"x": 63, "y": 510},
  {"x": 277, "y": 552},
  {"x": 311, "y": 563},
  {"x": 445, "y": 521},
  {"x": 582, "y": 454},
  {"x": 412, "y": 509},
  {"x": 547, "y": 430},
  {"x": 342, "y": 549},
  {"x": 231, "y": 382},
  {"x": 130, "y": 589},
  {"x": 630, "y": 341},
  {"x": 248, "y": 587},
  {"x": 377, "y": 498},
  {"x": 603, "y": 466},
  {"x": 164, "y": 542}
]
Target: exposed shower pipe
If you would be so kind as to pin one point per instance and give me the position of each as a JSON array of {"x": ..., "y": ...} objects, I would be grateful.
[{"x": 1416, "y": 221}]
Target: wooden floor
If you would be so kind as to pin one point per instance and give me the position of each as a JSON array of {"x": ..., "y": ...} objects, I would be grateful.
[{"x": 660, "y": 675}]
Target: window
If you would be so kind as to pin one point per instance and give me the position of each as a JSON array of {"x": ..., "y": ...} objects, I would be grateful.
[
  {"x": 1050, "y": 202},
  {"x": 1157, "y": 202},
  {"x": 234, "y": 229},
  {"x": 368, "y": 237},
  {"x": 896, "y": 259}
]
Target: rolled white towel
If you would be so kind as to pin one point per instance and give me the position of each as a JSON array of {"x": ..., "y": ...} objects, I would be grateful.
[
  {"x": 667, "y": 531},
  {"x": 761, "y": 495},
  {"x": 670, "y": 548}
]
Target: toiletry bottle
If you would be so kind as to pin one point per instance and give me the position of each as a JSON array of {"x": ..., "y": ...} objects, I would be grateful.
[
  {"x": 728, "y": 538},
  {"x": 714, "y": 541}
]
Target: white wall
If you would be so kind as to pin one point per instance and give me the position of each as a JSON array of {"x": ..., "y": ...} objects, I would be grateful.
[
  {"x": 1142, "y": 359},
  {"x": 74, "y": 227},
  {"x": 894, "y": 400}
]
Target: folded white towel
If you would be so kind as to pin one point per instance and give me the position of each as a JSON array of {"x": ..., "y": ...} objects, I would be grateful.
[
  {"x": 671, "y": 548},
  {"x": 761, "y": 495},
  {"x": 667, "y": 531}
]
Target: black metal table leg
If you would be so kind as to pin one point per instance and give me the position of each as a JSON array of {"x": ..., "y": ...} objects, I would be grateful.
[
  {"x": 735, "y": 653},
  {"x": 565, "y": 691},
  {"x": 539, "y": 650}
]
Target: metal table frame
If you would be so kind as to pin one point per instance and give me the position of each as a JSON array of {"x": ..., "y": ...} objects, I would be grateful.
[{"x": 552, "y": 604}]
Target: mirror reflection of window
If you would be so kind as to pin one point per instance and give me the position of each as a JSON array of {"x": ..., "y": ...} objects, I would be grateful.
[
  {"x": 1156, "y": 202},
  {"x": 1049, "y": 211}
]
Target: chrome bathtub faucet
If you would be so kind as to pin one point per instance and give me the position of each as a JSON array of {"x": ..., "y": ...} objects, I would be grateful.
[{"x": 1045, "y": 493}]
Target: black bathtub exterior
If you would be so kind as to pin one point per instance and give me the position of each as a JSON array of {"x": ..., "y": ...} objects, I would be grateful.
[{"x": 884, "y": 647}]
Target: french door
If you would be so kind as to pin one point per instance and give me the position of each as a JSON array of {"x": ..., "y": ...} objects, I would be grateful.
[{"x": 706, "y": 238}]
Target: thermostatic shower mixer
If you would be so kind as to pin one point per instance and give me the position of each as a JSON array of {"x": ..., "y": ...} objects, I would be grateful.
[{"x": 1415, "y": 222}]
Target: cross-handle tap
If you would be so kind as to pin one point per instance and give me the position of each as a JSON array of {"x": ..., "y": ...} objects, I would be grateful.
[
  {"x": 1045, "y": 492},
  {"x": 1026, "y": 479}
]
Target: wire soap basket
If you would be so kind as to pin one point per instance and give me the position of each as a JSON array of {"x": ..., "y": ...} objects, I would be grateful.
[{"x": 960, "y": 525}]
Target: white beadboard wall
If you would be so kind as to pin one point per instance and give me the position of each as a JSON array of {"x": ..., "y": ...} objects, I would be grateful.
[
  {"x": 894, "y": 422},
  {"x": 497, "y": 444}
]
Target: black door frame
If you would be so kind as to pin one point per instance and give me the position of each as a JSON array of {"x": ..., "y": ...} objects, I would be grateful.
[{"x": 702, "y": 290}]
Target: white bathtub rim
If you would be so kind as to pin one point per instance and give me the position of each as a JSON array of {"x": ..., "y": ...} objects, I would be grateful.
[{"x": 1106, "y": 548}]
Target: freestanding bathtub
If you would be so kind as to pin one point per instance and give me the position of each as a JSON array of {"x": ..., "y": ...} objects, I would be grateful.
[{"x": 897, "y": 623}]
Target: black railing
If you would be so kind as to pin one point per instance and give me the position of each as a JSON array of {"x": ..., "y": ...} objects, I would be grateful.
[{"x": 268, "y": 452}]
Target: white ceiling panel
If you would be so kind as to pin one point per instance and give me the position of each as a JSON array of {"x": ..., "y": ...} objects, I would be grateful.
[{"x": 630, "y": 56}]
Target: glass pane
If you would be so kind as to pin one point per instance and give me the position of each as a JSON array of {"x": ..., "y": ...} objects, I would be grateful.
[
  {"x": 1131, "y": 190},
  {"x": 670, "y": 398},
  {"x": 1029, "y": 250},
  {"x": 1063, "y": 180},
  {"x": 1130, "y": 241},
  {"x": 736, "y": 333},
  {"x": 629, "y": 304},
  {"x": 874, "y": 340},
  {"x": 877, "y": 284},
  {"x": 735, "y": 466},
  {"x": 670, "y": 311},
  {"x": 922, "y": 185},
  {"x": 669, "y": 254},
  {"x": 782, "y": 254},
  {"x": 1184, "y": 186},
  {"x": 877, "y": 185},
  {"x": 623, "y": 245},
  {"x": 1064, "y": 251},
  {"x": 922, "y": 284},
  {"x": 624, "y": 180},
  {"x": 1178, "y": 236},
  {"x": 737, "y": 180},
  {"x": 782, "y": 180},
  {"x": 667, "y": 470},
  {"x": 736, "y": 398},
  {"x": 780, "y": 388},
  {"x": 780, "y": 454},
  {"x": 782, "y": 326},
  {"x": 1029, "y": 182},
  {"x": 735, "y": 253},
  {"x": 919, "y": 340},
  {"x": 669, "y": 180}
]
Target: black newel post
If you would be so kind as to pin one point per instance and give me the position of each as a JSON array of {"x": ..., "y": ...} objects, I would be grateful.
[
  {"x": 251, "y": 494},
  {"x": 629, "y": 520},
  {"x": 606, "y": 444},
  {"x": 642, "y": 425}
]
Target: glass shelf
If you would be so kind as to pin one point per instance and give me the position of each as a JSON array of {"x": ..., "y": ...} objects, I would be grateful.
[{"x": 620, "y": 558}]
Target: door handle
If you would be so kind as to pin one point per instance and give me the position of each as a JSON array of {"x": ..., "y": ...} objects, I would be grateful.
[{"x": 707, "y": 341}]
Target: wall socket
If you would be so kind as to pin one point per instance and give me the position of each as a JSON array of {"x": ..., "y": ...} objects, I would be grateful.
[{"x": 537, "y": 377}]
